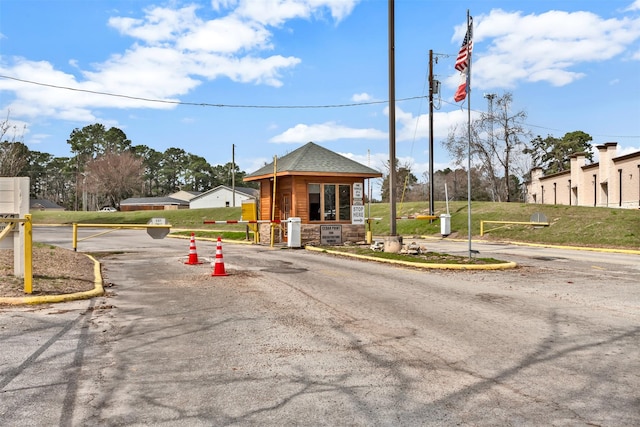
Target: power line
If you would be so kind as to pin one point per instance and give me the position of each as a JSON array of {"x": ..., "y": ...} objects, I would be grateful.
[
  {"x": 205, "y": 104},
  {"x": 553, "y": 129}
]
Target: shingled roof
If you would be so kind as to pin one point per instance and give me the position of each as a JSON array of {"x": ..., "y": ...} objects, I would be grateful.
[{"x": 312, "y": 159}]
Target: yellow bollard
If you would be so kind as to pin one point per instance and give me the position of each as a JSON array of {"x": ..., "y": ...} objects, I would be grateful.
[
  {"x": 75, "y": 237},
  {"x": 28, "y": 255}
]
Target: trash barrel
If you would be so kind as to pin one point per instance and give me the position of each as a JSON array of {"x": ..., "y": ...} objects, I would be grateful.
[
  {"x": 445, "y": 224},
  {"x": 293, "y": 233}
]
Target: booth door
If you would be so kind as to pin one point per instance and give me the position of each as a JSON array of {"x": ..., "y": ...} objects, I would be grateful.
[
  {"x": 285, "y": 212},
  {"x": 285, "y": 207}
]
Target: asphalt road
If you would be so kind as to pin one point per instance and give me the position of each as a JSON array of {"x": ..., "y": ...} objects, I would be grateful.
[{"x": 298, "y": 338}]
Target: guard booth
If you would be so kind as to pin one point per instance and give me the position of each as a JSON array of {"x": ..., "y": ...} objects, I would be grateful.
[{"x": 320, "y": 187}]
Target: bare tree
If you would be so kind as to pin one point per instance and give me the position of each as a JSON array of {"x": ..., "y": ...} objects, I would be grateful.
[
  {"x": 405, "y": 180},
  {"x": 14, "y": 155},
  {"x": 497, "y": 138},
  {"x": 114, "y": 176},
  {"x": 510, "y": 136}
]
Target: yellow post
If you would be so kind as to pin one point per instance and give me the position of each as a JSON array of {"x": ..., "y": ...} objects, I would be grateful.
[
  {"x": 75, "y": 236},
  {"x": 273, "y": 200},
  {"x": 28, "y": 255},
  {"x": 481, "y": 228}
]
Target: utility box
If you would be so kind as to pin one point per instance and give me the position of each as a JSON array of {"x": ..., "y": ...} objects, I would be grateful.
[
  {"x": 445, "y": 224},
  {"x": 293, "y": 233}
]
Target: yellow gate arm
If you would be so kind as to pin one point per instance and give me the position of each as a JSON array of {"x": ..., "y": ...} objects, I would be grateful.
[
  {"x": 115, "y": 227},
  {"x": 534, "y": 223}
]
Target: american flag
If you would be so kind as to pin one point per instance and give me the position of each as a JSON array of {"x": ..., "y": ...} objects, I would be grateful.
[{"x": 462, "y": 61}]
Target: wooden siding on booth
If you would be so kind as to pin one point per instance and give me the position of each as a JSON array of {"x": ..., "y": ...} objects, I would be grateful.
[
  {"x": 265, "y": 199},
  {"x": 297, "y": 186}
]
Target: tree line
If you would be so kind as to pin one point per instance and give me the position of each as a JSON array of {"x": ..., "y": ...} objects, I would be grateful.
[
  {"x": 106, "y": 168},
  {"x": 503, "y": 152}
]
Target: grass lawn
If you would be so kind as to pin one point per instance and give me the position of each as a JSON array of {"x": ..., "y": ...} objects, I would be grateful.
[{"x": 569, "y": 225}]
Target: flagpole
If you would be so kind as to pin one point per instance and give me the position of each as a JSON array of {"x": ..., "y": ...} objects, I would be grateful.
[{"x": 468, "y": 89}]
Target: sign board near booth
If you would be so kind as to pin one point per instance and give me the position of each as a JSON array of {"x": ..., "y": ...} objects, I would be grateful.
[
  {"x": 157, "y": 221},
  {"x": 330, "y": 234},
  {"x": 358, "y": 191},
  {"x": 357, "y": 214}
]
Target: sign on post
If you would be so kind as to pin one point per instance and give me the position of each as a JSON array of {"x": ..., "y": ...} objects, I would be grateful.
[
  {"x": 157, "y": 221},
  {"x": 157, "y": 233},
  {"x": 331, "y": 234},
  {"x": 358, "y": 191},
  {"x": 357, "y": 214}
]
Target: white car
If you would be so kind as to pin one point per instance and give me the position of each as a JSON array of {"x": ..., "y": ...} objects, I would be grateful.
[{"x": 108, "y": 209}]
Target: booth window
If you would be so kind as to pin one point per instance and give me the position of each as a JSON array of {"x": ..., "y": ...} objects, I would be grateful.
[
  {"x": 329, "y": 202},
  {"x": 344, "y": 201},
  {"x": 314, "y": 202}
]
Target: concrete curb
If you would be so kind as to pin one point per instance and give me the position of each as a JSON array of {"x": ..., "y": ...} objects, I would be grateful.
[
  {"x": 579, "y": 248},
  {"x": 98, "y": 290},
  {"x": 542, "y": 245},
  {"x": 502, "y": 266}
]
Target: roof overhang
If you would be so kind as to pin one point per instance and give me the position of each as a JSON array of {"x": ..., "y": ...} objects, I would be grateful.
[{"x": 318, "y": 174}]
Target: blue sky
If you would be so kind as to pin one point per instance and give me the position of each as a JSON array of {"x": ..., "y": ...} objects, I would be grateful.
[{"x": 571, "y": 65}]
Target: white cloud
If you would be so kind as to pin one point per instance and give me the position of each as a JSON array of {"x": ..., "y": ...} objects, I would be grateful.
[
  {"x": 379, "y": 161},
  {"x": 172, "y": 52},
  {"x": 408, "y": 128},
  {"x": 159, "y": 24},
  {"x": 510, "y": 47},
  {"x": 375, "y": 161},
  {"x": 361, "y": 97},
  {"x": 329, "y": 131},
  {"x": 276, "y": 12},
  {"x": 622, "y": 151},
  {"x": 218, "y": 5},
  {"x": 634, "y": 6},
  {"x": 226, "y": 35}
]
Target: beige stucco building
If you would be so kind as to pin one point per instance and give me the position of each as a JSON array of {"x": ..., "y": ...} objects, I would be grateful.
[{"x": 612, "y": 182}]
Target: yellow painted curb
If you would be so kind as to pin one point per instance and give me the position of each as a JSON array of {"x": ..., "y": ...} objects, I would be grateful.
[
  {"x": 543, "y": 245},
  {"x": 502, "y": 266},
  {"x": 579, "y": 248},
  {"x": 97, "y": 291}
]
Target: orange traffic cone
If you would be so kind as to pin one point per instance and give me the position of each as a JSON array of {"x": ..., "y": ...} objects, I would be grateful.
[
  {"x": 193, "y": 255},
  {"x": 218, "y": 267}
]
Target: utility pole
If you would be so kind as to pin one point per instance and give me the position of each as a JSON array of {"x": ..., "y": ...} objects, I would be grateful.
[
  {"x": 431, "y": 83},
  {"x": 392, "y": 121}
]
